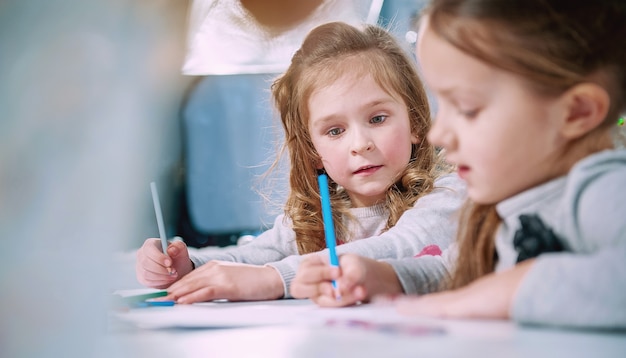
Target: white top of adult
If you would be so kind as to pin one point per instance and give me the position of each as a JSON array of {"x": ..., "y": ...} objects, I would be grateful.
[{"x": 224, "y": 38}]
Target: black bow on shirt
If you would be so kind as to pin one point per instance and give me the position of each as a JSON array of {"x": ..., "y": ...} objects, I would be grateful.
[{"x": 534, "y": 238}]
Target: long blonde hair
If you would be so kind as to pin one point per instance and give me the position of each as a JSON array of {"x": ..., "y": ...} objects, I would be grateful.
[
  {"x": 554, "y": 45},
  {"x": 322, "y": 59}
]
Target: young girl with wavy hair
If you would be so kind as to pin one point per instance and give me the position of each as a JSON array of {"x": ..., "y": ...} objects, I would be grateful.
[{"x": 351, "y": 104}]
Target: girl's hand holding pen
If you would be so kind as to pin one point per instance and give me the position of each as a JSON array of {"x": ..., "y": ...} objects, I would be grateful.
[
  {"x": 157, "y": 270},
  {"x": 314, "y": 280},
  {"x": 358, "y": 278}
]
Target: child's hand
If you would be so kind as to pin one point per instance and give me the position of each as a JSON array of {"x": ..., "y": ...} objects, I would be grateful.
[
  {"x": 488, "y": 297},
  {"x": 157, "y": 270},
  {"x": 313, "y": 280},
  {"x": 467, "y": 302},
  {"x": 227, "y": 280},
  {"x": 359, "y": 279}
]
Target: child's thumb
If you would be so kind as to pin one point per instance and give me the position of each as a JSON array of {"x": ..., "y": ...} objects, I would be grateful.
[{"x": 176, "y": 248}]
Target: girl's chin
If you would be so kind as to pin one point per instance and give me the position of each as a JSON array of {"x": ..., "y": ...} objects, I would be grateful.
[
  {"x": 483, "y": 201},
  {"x": 480, "y": 198}
]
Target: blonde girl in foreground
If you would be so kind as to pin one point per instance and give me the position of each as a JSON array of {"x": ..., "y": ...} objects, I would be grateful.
[{"x": 529, "y": 99}]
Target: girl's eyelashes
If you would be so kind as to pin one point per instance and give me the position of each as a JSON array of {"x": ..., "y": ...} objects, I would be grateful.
[
  {"x": 337, "y": 131},
  {"x": 469, "y": 113},
  {"x": 466, "y": 108},
  {"x": 333, "y": 132},
  {"x": 378, "y": 119}
]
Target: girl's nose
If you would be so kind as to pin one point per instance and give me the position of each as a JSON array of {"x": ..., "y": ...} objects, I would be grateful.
[
  {"x": 362, "y": 144},
  {"x": 440, "y": 135}
]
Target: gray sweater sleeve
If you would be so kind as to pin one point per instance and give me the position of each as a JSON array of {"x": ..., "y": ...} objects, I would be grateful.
[
  {"x": 420, "y": 275},
  {"x": 585, "y": 288},
  {"x": 432, "y": 221},
  {"x": 272, "y": 245}
]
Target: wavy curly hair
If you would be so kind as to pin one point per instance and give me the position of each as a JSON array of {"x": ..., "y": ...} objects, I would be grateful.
[{"x": 327, "y": 53}]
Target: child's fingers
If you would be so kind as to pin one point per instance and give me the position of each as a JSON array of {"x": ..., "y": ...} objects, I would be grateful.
[
  {"x": 176, "y": 248},
  {"x": 309, "y": 283},
  {"x": 177, "y": 251},
  {"x": 192, "y": 289},
  {"x": 161, "y": 276},
  {"x": 154, "y": 280},
  {"x": 312, "y": 280},
  {"x": 151, "y": 248},
  {"x": 313, "y": 277},
  {"x": 353, "y": 293},
  {"x": 148, "y": 254},
  {"x": 153, "y": 275},
  {"x": 149, "y": 262},
  {"x": 201, "y": 294},
  {"x": 314, "y": 271},
  {"x": 352, "y": 271},
  {"x": 150, "y": 268},
  {"x": 318, "y": 274},
  {"x": 360, "y": 293},
  {"x": 327, "y": 298},
  {"x": 311, "y": 261},
  {"x": 159, "y": 283},
  {"x": 300, "y": 289},
  {"x": 326, "y": 288},
  {"x": 149, "y": 265}
]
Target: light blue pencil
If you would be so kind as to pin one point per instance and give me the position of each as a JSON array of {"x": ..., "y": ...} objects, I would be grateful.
[
  {"x": 329, "y": 226},
  {"x": 159, "y": 217}
]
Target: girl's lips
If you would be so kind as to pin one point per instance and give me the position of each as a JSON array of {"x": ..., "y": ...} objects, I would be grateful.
[
  {"x": 368, "y": 170},
  {"x": 463, "y": 171}
]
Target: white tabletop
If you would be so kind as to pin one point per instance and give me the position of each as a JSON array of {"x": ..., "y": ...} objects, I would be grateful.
[{"x": 298, "y": 328}]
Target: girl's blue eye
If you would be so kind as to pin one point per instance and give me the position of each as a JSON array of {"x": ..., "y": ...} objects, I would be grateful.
[
  {"x": 378, "y": 119},
  {"x": 335, "y": 132}
]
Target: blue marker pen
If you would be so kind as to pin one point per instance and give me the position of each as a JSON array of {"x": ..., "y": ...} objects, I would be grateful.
[{"x": 329, "y": 226}]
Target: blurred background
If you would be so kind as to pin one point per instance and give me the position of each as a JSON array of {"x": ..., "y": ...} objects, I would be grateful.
[
  {"x": 99, "y": 98},
  {"x": 90, "y": 93}
]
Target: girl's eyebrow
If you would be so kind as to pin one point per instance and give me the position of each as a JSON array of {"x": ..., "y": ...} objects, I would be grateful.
[
  {"x": 378, "y": 102},
  {"x": 323, "y": 120},
  {"x": 447, "y": 91},
  {"x": 373, "y": 103},
  {"x": 453, "y": 93}
]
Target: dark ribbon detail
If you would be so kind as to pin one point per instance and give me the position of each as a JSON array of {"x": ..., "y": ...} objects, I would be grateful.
[{"x": 534, "y": 238}]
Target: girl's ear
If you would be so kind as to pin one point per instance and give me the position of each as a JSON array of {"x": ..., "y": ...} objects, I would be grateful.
[
  {"x": 414, "y": 139},
  {"x": 586, "y": 107}
]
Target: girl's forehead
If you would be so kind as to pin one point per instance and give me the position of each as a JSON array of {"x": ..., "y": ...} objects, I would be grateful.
[
  {"x": 350, "y": 68},
  {"x": 331, "y": 70}
]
